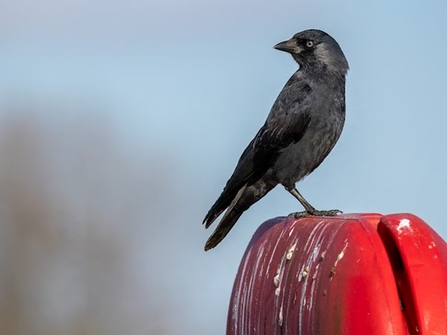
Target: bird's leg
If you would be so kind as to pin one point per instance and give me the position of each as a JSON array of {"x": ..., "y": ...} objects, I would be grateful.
[
  {"x": 307, "y": 206},
  {"x": 309, "y": 209}
]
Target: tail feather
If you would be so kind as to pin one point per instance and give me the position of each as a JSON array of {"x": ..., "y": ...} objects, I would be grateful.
[
  {"x": 223, "y": 228},
  {"x": 246, "y": 197},
  {"x": 219, "y": 207},
  {"x": 232, "y": 191},
  {"x": 211, "y": 217}
]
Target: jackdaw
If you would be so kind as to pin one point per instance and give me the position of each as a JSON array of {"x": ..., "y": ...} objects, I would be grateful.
[{"x": 301, "y": 129}]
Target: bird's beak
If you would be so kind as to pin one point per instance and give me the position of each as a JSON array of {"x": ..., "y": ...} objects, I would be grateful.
[{"x": 287, "y": 46}]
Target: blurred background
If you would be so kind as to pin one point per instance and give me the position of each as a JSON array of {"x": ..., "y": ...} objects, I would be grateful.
[{"x": 120, "y": 122}]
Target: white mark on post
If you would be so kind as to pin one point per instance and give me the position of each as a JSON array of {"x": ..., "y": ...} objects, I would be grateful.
[
  {"x": 280, "y": 318},
  {"x": 339, "y": 257},
  {"x": 305, "y": 272},
  {"x": 323, "y": 255},
  {"x": 277, "y": 291},
  {"x": 404, "y": 224},
  {"x": 290, "y": 252},
  {"x": 276, "y": 280}
]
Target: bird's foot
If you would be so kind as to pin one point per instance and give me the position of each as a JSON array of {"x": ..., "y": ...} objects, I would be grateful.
[{"x": 300, "y": 215}]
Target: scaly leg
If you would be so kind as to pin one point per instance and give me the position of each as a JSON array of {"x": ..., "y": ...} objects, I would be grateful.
[{"x": 309, "y": 209}]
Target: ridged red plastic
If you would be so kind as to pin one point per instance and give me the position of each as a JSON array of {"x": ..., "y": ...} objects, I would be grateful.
[{"x": 350, "y": 274}]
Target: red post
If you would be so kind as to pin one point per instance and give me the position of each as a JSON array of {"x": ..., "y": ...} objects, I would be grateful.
[{"x": 350, "y": 274}]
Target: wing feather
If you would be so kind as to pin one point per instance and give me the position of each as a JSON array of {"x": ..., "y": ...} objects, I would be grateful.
[{"x": 287, "y": 123}]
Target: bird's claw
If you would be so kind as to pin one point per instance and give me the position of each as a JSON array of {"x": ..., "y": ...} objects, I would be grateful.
[{"x": 300, "y": 215}]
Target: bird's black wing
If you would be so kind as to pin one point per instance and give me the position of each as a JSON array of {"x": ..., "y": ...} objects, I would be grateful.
[{"x": 286, "y": 123}]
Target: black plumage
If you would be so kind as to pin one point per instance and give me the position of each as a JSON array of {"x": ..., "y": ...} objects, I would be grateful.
[{"x": 301, "y": 129}]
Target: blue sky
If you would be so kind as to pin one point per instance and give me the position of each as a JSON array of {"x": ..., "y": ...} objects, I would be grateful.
[{"x": 192, "y": 82}]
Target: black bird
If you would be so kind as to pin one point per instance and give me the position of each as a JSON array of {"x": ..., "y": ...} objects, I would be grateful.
[{"x": 303, "y": 126}]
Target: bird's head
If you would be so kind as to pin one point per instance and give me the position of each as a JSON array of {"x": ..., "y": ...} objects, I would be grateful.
[{"x": 316, "y": 50}]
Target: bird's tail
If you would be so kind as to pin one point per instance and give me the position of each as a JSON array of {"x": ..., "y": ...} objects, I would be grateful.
[
  {"x": 223, "y": 228},
  {"x": 228, "y": 221},
  {"x": 246, "y": 197}
]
